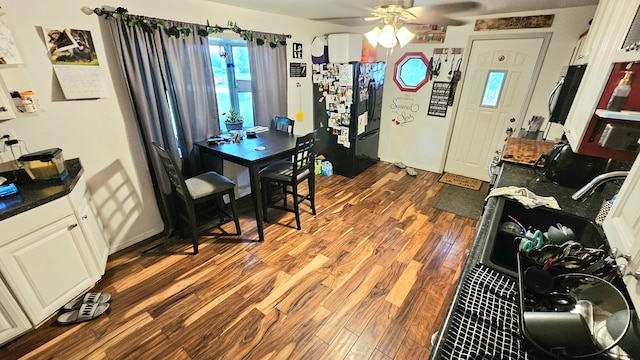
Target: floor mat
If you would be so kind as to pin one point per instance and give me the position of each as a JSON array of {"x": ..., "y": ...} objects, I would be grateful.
[
  {"x": 461, "y": 201},
  {"x": 459, "y": 180}
]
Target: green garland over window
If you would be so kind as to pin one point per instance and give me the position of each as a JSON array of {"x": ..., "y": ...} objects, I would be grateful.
[{"x": 150, "y": 25}]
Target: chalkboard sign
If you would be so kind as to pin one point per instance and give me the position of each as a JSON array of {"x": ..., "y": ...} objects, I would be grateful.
[{"x": 439, "y": 99}]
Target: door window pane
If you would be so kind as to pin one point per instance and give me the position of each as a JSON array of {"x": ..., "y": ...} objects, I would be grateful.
[{"x": 493, "y": 88}]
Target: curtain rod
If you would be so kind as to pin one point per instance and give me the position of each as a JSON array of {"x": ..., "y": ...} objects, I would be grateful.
[{"x": 150, "y": 25}]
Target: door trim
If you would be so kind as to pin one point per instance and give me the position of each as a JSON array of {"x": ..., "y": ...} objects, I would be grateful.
[{"x": 546, "y": 39}]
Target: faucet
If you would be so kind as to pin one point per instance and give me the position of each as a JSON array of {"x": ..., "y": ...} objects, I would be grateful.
[{"x": 596, "y": 181}]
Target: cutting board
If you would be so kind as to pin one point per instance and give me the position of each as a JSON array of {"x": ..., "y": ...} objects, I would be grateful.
[{"x": 525, "y": 151}]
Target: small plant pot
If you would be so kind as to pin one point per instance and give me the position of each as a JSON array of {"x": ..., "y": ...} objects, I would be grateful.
[{"x": 233, "y": 126}]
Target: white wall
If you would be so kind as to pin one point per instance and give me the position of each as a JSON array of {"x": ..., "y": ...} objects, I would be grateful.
[
  {"x": 422, "y": 143},
  {"x": 103, "y": 133}
]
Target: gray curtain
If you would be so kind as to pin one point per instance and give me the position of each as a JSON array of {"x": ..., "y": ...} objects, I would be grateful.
[
  {"x": 170, "y": 82},
  {"x": 268, "y": 78}
]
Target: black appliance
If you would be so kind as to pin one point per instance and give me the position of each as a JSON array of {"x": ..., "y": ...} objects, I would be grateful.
[
  {"x": 347, "y": 102},
  {"x": 562, "y": 95},
  {"x": 567, "y": 168}
]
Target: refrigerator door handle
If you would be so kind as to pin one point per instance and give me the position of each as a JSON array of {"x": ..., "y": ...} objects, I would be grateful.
[
  {"x": 372, "y": 98},
  {"x": 368, "y": 134}
]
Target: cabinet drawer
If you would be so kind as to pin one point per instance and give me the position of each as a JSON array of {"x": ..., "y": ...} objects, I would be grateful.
[{"x": 22, "y": 224}]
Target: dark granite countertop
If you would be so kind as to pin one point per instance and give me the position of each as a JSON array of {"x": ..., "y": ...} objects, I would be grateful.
[
  {"x": 521, "y": 176},
  {"x": 34, "y": 194}
]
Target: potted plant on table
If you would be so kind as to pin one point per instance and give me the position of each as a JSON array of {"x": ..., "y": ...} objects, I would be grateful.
[{"x": 233, "y": 120}]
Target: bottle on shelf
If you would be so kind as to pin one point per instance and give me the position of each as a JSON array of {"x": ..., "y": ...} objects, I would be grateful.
[{"x": 621, "y": 92}]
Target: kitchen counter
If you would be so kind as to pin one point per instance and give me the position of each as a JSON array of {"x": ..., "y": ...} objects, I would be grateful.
[
  {"x": 34, "y": 194},
  {"x": 520, "y": 176}
]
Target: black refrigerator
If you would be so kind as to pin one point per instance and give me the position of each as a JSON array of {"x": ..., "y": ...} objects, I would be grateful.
[{"x": 347, "y": 102}]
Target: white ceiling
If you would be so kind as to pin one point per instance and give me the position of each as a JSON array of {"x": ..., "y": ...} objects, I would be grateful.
[{"x": 323, "y": 9}]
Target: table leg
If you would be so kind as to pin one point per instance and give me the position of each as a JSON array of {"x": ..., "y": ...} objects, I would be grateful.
[{"x": 256, "y": 196}]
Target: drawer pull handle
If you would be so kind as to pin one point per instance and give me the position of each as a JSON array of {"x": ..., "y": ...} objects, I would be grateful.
[
  {"x": 615, "y": 253},
  {"x": 622, "y": 271},
  {"x": 72, "y": 226}
]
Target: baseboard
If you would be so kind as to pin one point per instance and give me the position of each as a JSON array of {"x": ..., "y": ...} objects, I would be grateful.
[{"x": 141, "y": 237}]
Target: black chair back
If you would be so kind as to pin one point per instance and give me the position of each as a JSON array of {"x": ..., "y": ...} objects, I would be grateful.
[
  {"x": 305, "y": 155},
  {"x": 284, "y": 124},
  {"x": 173, "y": 172}
]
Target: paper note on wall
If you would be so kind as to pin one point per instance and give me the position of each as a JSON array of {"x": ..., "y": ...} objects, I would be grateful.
[{"x": 81, "y": 82}]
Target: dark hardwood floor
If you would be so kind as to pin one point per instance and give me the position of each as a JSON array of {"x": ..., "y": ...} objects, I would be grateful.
[{"x": 369, "y": 277}]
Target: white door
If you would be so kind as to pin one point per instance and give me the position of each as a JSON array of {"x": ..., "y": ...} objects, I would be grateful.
[{"x": 498, "y": 78}]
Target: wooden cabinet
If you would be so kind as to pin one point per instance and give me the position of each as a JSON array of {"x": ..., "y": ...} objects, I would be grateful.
[
  {"x": 622, "y": 226},
  {"x": 13, "y": 321},
  {"x": 604, "y": 47},
  {"x": 50, "y": 263}
]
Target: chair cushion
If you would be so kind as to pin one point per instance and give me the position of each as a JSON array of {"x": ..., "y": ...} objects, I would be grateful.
[
  {"x": 282, "y": 171},
  {"x": 208, "y": 184}
]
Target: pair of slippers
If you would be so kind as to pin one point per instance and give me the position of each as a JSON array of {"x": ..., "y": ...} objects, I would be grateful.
[
  {"x": 411, "y": 171},
  {"x": 89, "y": 307}
]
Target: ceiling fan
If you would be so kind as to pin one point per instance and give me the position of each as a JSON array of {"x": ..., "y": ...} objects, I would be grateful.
[
  {"x": 404, "y": 11},
  {"x": 396, "y": 17}
]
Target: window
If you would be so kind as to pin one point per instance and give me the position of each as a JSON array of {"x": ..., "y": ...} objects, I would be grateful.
[
  {"x": 232, "y": 75},
  {"x": 411, "y": 71},
  {"x": 493, "y": 88}
]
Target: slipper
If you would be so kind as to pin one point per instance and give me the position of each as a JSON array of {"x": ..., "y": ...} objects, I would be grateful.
[
  {"x": 89, "y": 298},
  {"x": 85, "y": 313},
  {"x": 411, "y": 171},
  {"x": 401, "y": 165}
]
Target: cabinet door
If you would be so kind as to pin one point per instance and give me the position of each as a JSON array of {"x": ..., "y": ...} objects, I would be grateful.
[
  {"x": 48, "y": 267},
  {"x": 13, "y": 322},
  {"x": 606, "y": 36},
  {"x": 622, "y": 226},
  {"x": 93, "y": 233}
]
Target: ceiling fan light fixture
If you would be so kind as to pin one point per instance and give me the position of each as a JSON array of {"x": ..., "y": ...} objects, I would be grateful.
[
  {"x": 372, "y": 36},
  {"x": 404, "y": 36},
  {"x": 387, "y": 37}
]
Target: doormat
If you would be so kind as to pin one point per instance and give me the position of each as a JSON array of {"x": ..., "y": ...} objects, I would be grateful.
[
  {"x": 459, "y": 180},
  {"x": 461, "y": 201}
]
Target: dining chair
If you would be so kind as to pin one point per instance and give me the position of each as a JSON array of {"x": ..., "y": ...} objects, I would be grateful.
[
  {"x": 209, "y": 187},
  {"x": 289, "y": 174},
  {"x": 280, "y": 123}
]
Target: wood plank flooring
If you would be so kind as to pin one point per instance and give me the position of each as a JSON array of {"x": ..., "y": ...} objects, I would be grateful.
[{"x": 369, "y": 277}]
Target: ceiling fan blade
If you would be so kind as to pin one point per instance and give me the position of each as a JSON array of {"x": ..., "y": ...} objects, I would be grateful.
[
  {"x": 449, "y": 8},
  {"x": 347, "y": 21},
  {"x": 437, "y": 14},
  {"x": 441, "y": 21}
]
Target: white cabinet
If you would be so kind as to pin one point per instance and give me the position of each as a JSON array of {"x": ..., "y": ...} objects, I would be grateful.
[
  {"x": 622, "y": 226},
  {"x": 13, "y": 322},
  {"x": 609, "y": 28},
  {"x": 91, "y": 227},
  {"x": 45, "y": 259}
]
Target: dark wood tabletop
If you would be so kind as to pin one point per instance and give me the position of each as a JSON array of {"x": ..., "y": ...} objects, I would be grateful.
[{"x": 277, "y": 145}]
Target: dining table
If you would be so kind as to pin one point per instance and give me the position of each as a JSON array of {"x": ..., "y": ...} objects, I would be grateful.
[{"x": 253, "y": 152}]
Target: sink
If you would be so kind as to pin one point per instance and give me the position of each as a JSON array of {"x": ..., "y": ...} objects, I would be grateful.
[{"x": 501, "y": 251}]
